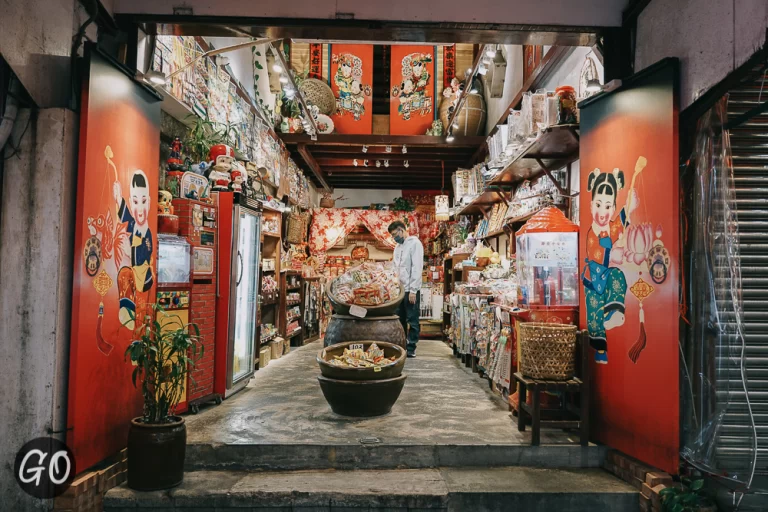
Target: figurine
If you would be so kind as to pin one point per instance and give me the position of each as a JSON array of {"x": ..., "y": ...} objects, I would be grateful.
[
  {"x": 221, "y": 157},
  {"x": 175, "y": 162},
  {"x": 164, "y": 203},
  {"x": 238, "y": 175},
  {"x": 200, "y": 168},
  {"x": 437, "y": 128}
]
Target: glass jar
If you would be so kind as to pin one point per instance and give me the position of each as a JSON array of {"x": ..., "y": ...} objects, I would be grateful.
[{"x": 568, "y": 109}]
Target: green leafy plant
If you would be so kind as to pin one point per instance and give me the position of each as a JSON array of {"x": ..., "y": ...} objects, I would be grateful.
[
  {"x": 688, "y": 498},
  {"x": 202, "y": 135},
  {"x": 402, "y": 204},
  {"x": 163, "y": 356}
]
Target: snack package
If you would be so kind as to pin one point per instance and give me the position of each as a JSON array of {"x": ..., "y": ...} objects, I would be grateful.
[{"x": 369, "y": 284}]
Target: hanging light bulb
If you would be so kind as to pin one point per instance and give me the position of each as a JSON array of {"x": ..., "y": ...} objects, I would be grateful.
[
  {"x": 456, "y": 125},
  {"x": 491, "y": 52},
  {"x": 406, "y": 164},
  {"x": 405, "y": 149},
  {"x": 277, "y": 68},
  {"x": 450, "y": 137},
  {"x": 354, "y": 162}
]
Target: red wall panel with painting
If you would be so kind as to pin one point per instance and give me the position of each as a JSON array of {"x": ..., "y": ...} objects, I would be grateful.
[
  {"x": 115, "y": 255},
  {"x": 629, "y": 252},
  {"x": 352, "y": 83},
  {"x": 412, "y": 97}
]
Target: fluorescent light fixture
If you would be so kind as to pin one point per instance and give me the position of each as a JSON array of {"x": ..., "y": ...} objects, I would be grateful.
[
  {"x": 593, "y": 85},
  {"x": 156, "y": 77}
]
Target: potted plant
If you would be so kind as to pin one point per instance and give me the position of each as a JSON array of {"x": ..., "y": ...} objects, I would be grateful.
[
  {"x": 689, "y": 497},
  {"x": 157, "y": 440}
]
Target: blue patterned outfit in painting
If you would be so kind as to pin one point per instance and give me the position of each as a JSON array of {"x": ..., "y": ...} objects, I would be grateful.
[{"x": 605, "y": 287}]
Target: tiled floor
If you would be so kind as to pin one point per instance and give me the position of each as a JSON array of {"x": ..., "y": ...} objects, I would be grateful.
[{"x": 442, "y": 403}]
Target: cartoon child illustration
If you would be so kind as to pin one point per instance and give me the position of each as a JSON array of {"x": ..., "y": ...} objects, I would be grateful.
[
  {"x": 604, "y": 283},
  {"x": 412, "y": 91},
  {"x": 351, "y": 91},
  {"x": 135, "y": 281}
]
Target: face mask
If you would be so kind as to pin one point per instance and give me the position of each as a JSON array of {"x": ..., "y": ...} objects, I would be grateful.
[{"x": 399, "y": 239}]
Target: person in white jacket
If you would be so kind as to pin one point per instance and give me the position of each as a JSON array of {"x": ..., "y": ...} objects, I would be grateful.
[{"x": 409, "y": 262}]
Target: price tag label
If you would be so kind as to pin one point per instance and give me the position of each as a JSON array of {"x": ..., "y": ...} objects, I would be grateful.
[
  {"x": 357, "y": 311},
  {"x": 505, "y": 317},
  {"x": 356, "y": 346}
]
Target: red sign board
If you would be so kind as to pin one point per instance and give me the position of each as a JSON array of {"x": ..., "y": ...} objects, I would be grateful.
[
  {"x": 115, "y": 256},
  {"x": 630, "y": 253}
]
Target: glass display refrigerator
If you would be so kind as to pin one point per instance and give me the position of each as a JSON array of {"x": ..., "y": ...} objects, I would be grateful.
[{"x": 239, "y": 244}]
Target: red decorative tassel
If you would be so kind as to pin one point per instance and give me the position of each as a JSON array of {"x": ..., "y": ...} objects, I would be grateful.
[
  {"x": 634, "y": 352},
  {"x": 104, "y": 347}
]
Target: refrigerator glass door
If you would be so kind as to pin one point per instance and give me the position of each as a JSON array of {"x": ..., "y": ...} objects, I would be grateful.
[{"x": 245, "y": 280}]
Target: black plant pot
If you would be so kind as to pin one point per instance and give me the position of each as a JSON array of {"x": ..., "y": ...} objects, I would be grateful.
[
  {"x": 361, "y": 398},
  {"x": 156, "y": 454}
]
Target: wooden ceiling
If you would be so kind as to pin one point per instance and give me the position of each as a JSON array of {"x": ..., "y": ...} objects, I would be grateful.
[{"x": 330, "y": 160}]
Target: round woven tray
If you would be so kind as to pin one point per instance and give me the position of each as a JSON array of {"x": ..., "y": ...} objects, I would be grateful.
[
  {"x": 547, "y": 351},
  {"x": 386, "y": 309},
  {"x": 318, "y": 93}
]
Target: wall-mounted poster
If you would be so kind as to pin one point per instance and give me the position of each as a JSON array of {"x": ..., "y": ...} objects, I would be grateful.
[
  {"x": 352, "y": 84},
  {"x": 412, "y": 97},
  {"x": 629, "y": 253},
  {"x": 116, "y": 264}
]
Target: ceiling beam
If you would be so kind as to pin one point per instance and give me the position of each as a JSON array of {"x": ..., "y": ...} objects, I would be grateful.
[
  {"x": 363, "y": 31},
  {"x": 421, "y": 162},
  {"x": 313, "y": 166},
  {"x": 336, "y": 139}
]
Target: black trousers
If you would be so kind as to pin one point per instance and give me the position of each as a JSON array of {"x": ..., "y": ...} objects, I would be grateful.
[{"x": 409, "y": 317}]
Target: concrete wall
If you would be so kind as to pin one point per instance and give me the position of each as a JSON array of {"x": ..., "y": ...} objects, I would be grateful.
[
  {"x": 35, "y": 40},
  {"x": 513, "y": 81},
  {"x": 711, "y": 38},
  {"x": 552, "y": 12},
  {"x": 36, "y": 255}
]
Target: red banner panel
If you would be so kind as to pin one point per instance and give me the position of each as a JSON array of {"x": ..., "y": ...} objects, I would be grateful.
[
  {"x": 630, "y": 253},
  {"x": 412, "y": 98},
  {"x": 352, "y": 84},
  {"x": 115, "y": 256}
]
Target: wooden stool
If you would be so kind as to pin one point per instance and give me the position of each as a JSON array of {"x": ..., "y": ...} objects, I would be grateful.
[{"x": 569, "y": 416}]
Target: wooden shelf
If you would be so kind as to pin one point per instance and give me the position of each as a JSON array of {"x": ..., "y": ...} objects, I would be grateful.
[
  {"x": 510, "y": 222},
  {"x": 557, "y": 147},
  {"x": 271, "y": 235}
]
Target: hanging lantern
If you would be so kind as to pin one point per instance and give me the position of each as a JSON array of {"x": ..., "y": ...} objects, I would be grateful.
[{"x": 442, "y": 208}]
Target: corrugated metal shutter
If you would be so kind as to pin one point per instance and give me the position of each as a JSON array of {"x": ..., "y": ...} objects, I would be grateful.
[{"x": 749, "y": 143}]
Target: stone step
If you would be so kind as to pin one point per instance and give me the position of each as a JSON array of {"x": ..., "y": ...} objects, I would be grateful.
[
  {"x": 455, "y": 489},
  {"x": 368, "y": 453}
]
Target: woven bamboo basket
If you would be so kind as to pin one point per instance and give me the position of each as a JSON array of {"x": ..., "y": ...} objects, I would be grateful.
[
  {"x": 298, "y": 224},
  {"x": 471, "y": 119},
  {"x": 327, "y": 202},
  {"x": 547, "y": 351},
  {"x": 318, "y": 93}
]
